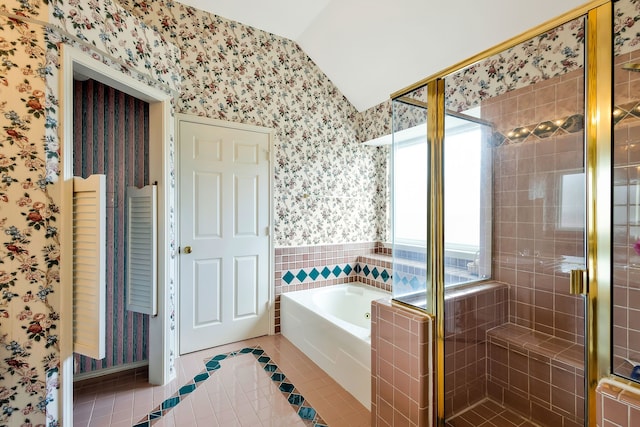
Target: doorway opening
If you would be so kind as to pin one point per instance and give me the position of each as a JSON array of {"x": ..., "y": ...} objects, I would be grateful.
[{"x": 161, "y": 347}]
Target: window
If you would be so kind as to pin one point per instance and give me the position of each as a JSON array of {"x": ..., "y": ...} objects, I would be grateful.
[
  {"x": 572, "y": 201},
  {"x": 467, "y": 199},
  {"x": 462, "y": 167},
  {"x": 410, "y": 174}
]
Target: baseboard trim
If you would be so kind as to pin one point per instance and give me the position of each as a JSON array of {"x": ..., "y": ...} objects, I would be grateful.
[{"x": 113, "y": 370}]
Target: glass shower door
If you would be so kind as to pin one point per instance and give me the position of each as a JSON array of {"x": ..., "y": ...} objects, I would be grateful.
[
  {"x": 626, "y": 196},
  {"x": 514, "y": 229},
  {"x": 410, "y": 178}
]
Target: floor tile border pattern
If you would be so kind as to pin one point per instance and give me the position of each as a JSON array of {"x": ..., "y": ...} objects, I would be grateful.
[{"x": 293, "y": 396}]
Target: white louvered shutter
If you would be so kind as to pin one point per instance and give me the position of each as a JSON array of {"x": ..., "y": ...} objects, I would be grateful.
[
  {"x": 141, "y": 272},
  {"x": 89, "y": 282}
]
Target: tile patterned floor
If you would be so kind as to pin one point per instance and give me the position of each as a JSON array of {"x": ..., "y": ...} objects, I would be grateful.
[
  {"x": 237, "y": 391},
  {"x": 489, "y": 414},
  {"x": 250, "y": 386}
]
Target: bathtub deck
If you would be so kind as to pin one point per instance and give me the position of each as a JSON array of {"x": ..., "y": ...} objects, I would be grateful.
[{"x": 240, "y": 393}]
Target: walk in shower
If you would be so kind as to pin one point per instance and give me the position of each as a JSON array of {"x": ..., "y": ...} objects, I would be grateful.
[
  {"x": 490, "y": 229},
  {"x": 626, "y": 195}
]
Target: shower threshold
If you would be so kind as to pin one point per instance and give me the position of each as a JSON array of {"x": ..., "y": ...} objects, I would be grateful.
[{"x": 489, "y": 413}]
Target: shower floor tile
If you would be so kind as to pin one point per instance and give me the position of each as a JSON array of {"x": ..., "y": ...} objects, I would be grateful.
[
  {"x": 239, "y": 393},
  {"x": 489, "y": 413}
]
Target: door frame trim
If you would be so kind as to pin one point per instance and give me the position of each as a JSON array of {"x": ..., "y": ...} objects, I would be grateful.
[
  {"x": 270, "y": 132},
  {"x": 161, "y": 136},
  {"x": 598, "y": 172}
]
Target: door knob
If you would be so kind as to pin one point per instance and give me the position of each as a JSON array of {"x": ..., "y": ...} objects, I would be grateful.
[{"x": 187, "y": 249}]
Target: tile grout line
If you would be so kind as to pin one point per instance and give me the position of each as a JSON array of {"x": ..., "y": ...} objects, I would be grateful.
[{"x": 305, "y": 411}]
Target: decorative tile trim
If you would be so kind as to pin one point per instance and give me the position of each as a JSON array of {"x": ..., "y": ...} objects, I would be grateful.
[
  {"x": 411, "y": 281},
  {"x": 410, "y": 272},
  {"x": 630, "y": 110},
  {"x": 306, "y": 412},
  {"x": 314, "y": 274},
  {"x": 374, "y": 272},
  {"x": 542, "y": 130}
]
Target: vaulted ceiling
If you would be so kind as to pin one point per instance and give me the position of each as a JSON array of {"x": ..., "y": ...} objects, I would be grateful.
[{"x": 370, "y": 49}]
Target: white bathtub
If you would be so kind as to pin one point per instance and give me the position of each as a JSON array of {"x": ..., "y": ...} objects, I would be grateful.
[{"x": 332, "y": 326}]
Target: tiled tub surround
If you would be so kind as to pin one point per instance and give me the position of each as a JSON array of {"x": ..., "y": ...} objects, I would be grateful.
[
  {"x": 401, "y": 366},
  {"x": 308, "y": 267},
  {"x": 332, "y": 326},
  {"x": 315, "y": 265},
  {"x": 375, "y": 270},
  {"x": 410, "y": 274}
]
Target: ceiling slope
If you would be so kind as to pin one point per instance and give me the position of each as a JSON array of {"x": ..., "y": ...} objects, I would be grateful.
[{"x": 370, "y": 49}]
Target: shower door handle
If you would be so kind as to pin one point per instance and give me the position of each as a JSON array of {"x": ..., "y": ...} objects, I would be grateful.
[{"x": 579, "y": 282}]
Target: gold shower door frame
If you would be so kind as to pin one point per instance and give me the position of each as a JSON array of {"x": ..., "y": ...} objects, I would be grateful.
[{"x": 598, "y": 141}]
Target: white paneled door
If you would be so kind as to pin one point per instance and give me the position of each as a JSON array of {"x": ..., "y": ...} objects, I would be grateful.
[{"x": 224, "y": 234}]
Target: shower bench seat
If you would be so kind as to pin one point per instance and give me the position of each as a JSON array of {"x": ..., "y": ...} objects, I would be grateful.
[
  {"x": 538, "y": 343},
  {"x": 537, "y": 374}
]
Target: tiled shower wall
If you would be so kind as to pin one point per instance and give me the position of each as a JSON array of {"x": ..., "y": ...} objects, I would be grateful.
[
  {"x": 111, "y": 136},
  {"x": 401, "y": 366},
  {"x": 469, "y": 313},
  {"x": 540, "y": 138},
  {"x": 626, "y": 220},
  {"x": 616, "y": 406}
]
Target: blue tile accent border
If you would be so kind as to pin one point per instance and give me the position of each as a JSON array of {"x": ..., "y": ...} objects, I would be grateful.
[
  {"x": 374, "y": 272},
  {"x": 314, "y": 274},
  {"x": 306, "y": 412},
  {"x": 409, "y": 282}
]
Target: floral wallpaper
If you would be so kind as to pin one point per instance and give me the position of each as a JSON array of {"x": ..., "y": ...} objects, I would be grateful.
[
  {"x": 548, "y": 55},
  {"x": 328, "y": 186},
  {"x": 117, "y": 35},
  {"x": 29, "y": 194},
  {"x": 374, "y": 122},
  {"x": 326, "y": 182},
  {"x": 29, "y": 215},
  {"x": 626, "y": 15},
  {"x": 317, "y": 116},
  {"x": 545, "y": 56}
]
